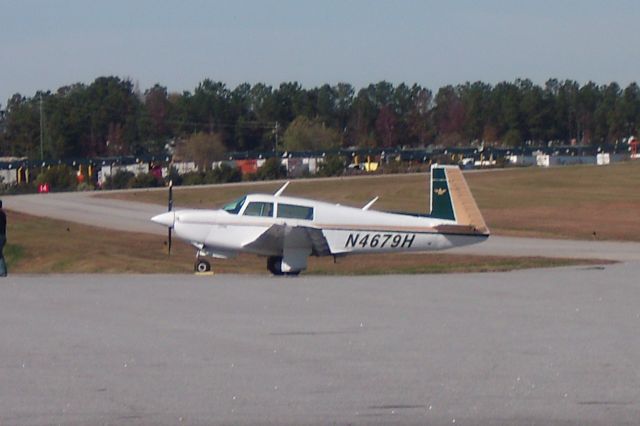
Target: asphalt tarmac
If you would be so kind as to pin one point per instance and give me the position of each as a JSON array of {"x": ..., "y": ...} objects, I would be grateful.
[{"x": 536, "y": 347}]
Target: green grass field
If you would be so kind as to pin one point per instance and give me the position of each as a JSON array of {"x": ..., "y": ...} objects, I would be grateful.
[
  {"x": 39, "y": 245},
  {"x": 559, "y": 202},
  {"x": 565, "y": 202}
]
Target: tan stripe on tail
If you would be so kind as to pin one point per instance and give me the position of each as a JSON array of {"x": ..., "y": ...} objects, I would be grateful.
[{"x": 464, "y": 205}]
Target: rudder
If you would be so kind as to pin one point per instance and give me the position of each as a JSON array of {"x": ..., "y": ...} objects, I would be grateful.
[{"x": 451, "y": 199}]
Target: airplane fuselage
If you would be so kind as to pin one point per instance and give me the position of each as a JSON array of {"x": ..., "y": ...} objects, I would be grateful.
[
  {"x": 289, "y": 229},
  {"x": 346, "y": 229}
]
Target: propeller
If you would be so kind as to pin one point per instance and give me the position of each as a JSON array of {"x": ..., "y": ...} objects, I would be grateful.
[{"x": 169, "y": 208}]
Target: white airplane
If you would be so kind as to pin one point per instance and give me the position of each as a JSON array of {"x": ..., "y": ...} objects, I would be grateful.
[{"x": 288, "y": 230}]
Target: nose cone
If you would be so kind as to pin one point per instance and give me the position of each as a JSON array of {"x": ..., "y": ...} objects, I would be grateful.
[{"x": 166, "y": 219}]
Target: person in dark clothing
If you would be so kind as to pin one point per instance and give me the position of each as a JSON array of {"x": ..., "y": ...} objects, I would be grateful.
[{"x": 3, "y": 241}]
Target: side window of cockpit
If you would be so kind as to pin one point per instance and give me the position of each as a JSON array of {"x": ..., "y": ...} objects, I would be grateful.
[
  {"x": 295, "y": 212},
  {"x": 234, "y": 206},
  {"x": 256, "y": 208}
]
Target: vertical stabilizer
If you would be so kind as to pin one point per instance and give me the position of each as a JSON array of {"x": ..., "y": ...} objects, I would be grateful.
[
  {"x": 440, "y": 201},
  {"x": 451, "y": 199}
]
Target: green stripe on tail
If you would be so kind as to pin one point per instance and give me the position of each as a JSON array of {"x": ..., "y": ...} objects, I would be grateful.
[{"x": 441, "y": 205}]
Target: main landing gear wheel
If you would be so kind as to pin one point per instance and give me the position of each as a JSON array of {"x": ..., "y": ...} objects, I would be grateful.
[
  {"x": 274, "y": 265},
  {"x": 202, "y": 265}
]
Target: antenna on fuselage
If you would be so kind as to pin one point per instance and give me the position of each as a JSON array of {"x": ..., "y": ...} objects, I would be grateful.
[
  {"x": 281, "y": 190},
  {"x": 370, "y": 203}
]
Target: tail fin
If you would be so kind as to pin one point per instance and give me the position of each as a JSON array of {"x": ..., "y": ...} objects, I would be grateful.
[{"x": 451, "y": 199}]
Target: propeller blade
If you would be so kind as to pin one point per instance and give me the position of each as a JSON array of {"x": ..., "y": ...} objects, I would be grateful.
[{"x": 169, "y": 241}]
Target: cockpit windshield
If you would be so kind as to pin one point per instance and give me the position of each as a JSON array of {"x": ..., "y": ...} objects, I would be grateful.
[{"x": 234, "y": 206}]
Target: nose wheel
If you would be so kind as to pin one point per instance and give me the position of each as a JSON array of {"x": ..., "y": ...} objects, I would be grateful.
[{"x": 202, "y": 265}]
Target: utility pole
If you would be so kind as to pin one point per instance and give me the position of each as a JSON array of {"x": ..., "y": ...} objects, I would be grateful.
[
  {"x": 276, "y": 131},
  {"x": 41, "y": 131}
]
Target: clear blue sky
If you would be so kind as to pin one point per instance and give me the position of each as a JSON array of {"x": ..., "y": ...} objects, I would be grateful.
[{"x": 48, "y": 44}]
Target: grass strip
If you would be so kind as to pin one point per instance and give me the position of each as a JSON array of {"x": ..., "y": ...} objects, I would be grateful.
[
  {"x": 575, "y": 202},
  {"x": 39, "y": 245}
]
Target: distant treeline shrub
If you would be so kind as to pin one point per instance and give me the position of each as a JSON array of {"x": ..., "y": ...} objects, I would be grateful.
[
  {"x": 222, "y": 174},
  {"x": 59, "y": 178},
  {"x": 111, "y": 117},
  {"x": 332, "y": 166},
  {"x": 118, "y": 180},
  {"x": 271, "y": 169}
]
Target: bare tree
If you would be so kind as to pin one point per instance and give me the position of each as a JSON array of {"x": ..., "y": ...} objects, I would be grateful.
[{"x": 201, "y": 148}]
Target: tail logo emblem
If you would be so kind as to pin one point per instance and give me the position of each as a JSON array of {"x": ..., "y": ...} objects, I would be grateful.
[{"x": 440, "y": 191}]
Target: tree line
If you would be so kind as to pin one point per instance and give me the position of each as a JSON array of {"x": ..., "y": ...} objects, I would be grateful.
[{"x": 113, "y": 117}]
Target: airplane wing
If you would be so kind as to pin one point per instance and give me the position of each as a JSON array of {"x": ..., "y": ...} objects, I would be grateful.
[
  {"x": 319, "y": 244},
  {"x": 277, "y": 238}
]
